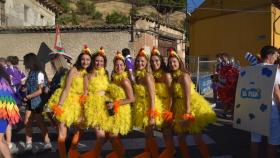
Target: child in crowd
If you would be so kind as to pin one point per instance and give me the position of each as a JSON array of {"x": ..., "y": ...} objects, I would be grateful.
[
  {"x": 36, "y": 84},
  {"x": 16, "y": 75},
  {"x": 215, "y": 86},
  {"x": 129, "y": 62}
]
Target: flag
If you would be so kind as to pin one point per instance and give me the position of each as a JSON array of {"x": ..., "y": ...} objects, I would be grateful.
[{"x": 58, "y": 46}]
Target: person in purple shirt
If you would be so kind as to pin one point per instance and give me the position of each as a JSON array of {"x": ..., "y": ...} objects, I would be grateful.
[
  {"x": 16, "y": 76},
  {"x": 129, "y": 62}
]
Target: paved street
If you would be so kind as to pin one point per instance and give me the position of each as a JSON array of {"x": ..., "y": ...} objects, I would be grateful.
[{"x": 223, "y": 141}]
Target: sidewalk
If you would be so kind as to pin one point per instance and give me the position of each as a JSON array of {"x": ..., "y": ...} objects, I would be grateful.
[{"x": 230, "y": 140}]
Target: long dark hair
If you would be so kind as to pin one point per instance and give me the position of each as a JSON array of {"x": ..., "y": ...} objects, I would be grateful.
[
  {"x": 78, "y": 63},
  {"x": 32, "y": 63},
  {"x": 13, "y": 60},
  {"x": 162, "y": 64},
  {"x": 4, "y": 74},
  {"x": 148, "y": 67},
  {"x": 103, "y": 56}
]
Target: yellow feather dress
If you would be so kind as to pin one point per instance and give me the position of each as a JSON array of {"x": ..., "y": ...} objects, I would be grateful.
[
  {"x": 95, "y": 110},
  {"x": 141, "y": 107},
  {"x": 200, "y": 108},
  {"x": 71, "y": 106},
  {"x": 121, "y": 122},
  {"x": 162, "y": 94}
]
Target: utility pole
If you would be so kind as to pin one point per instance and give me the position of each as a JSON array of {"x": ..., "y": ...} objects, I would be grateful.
[
  {"x": 187, "y": 29},
  {"x": 132, "y": 20}
]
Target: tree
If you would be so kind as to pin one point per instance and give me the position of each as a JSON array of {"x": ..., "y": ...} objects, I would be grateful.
[
  {"x": 64, "y": 4},
  {"x": 85, "y": 7},
  {"x": 117, "y": 18}
]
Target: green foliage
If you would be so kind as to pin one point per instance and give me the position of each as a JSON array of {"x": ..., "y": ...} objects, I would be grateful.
[
  {"x": 96, "y": 15},
  {"x": 64, "y": 4},
  {"x": 117, "y": 18},
  {"x": 64, "y": 19},
  {"x": 145, "y": 1},
  {"x": 68, "y": 19},
  {"x": 85, "y": 7},
  {"x": 75, "y": 19}
]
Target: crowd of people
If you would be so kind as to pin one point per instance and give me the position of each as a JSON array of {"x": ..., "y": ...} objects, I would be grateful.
[
  {"x": 224, "y": 82},
  {"x": 145, "y": 93},
  {"x": 224, "y": 87}
]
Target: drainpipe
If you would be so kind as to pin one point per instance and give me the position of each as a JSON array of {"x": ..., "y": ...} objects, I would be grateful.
[{"x": 274, "y": 31}]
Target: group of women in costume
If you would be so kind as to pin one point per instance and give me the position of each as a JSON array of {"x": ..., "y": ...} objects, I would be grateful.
[{"x": 162, "y": 97}]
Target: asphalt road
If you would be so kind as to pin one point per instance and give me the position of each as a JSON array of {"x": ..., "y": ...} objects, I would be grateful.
[{"x": 223, "y": 141}]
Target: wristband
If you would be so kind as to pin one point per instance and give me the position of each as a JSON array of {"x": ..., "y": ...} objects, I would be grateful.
[
  {"x": 82, "y": 99},
  {"x": 57, "y": 110},
  {"x": 116, "y": 104},
  {"x": 188, "y": 117},
  {"x": 153, "y": 113},
  {"x": 167, "y": 115}
]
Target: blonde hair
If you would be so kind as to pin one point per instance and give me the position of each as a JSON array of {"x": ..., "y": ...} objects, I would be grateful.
[
  {"x": 148, "y": 68},
  {"x": 60, "y": 62},
  {"x": 182, "y": 66}
]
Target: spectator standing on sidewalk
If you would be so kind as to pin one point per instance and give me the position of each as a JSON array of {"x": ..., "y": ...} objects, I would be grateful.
[
  {"x": 36, "y": 83},
  {"x": 17, "y": 78},
  {"x": 16, "y": 75},
  {"x": 129, "y": 62},
  {"x": 228, "y": 77},
  {"x": 269, "y": 55}
]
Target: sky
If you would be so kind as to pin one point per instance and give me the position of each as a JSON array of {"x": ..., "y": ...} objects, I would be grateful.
[{"x": 192, "y": 4}]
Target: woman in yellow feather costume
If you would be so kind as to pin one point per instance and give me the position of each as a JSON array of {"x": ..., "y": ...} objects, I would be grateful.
[
  {"x": 147, "y": 110},
  {"x": 162, "y": 83},
  {"x": 66, "y": 105},
  {"x": 191, "y": 111},
  {"x": 121, "y": 92},
  {"x": 96, "y": 115}
]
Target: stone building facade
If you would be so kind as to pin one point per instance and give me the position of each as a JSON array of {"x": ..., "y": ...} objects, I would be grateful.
[
  {"x": 28, "y": 12},
  {"x": 40, "y": 40}
]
